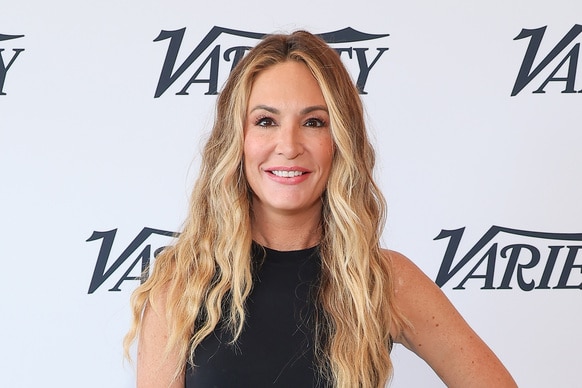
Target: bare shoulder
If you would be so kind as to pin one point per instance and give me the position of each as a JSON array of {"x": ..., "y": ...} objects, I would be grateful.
[
  {"x": 418, "y": 298},
  {"x": 411, "y": 285},
  {"x": 156, "y": 365},
  {"x": 438, "y": 333},
  {"x": 405, "y": 271}
]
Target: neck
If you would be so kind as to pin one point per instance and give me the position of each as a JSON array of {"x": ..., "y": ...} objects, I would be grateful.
[{"x": 286, "y": 232}]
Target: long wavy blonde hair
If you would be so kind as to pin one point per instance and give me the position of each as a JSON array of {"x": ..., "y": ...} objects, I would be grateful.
[{"x": 205, "y": 276}]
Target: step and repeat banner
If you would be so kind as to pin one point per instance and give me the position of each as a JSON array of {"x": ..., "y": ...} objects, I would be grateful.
[{"x": 474, "y": 108}]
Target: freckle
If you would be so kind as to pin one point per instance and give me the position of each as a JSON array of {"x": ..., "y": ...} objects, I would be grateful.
[
  {"x": 437, "y": 325},
  {"x": 433, "y": 317},
  {"x": 419, "y": 345}
]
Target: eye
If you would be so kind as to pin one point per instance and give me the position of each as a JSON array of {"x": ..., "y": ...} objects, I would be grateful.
[
  {"x": 264, "y": 121},
  {"x": 315, "y": 122}
]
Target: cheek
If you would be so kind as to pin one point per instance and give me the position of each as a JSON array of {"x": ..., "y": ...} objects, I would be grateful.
[
  {"x": 249, "y": 149},
  {"x": 256, "y": 145},
  {"x": 246, "y": 160},
  {"x": 253, "y": 152},
  {"x": 327, "y": 153}
]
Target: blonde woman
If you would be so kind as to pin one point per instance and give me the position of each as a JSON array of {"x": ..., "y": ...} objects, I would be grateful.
[{"x": 278, "y": 277}]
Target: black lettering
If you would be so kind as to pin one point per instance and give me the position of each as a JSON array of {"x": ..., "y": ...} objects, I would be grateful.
[
  {"x": 364, "y": 68},
  {"x": 529, "y": 255},
  {"x": 4, "y": 68},
  {"x": 568, "y": 267},
  {"x": 362, "y": 64},
  {"x": 144, "y": 258},
  {"x": 212, "y": 81},
  {"x": 341, "y": 50},
  {"x": 512, "y": 263},
  {"x": 171, "y": 71},
  {"x": 526, "y": 74},
  {"x": 572, "y": 58},
  {"x": 101, "y": 273},
  {"x": 168, "y": 76},
  {"x": 239, "y": 52},
  {"x": 446, "y": 270},
  {"x": 549, "y": 268},
  {"x": 491, "y": 256}
]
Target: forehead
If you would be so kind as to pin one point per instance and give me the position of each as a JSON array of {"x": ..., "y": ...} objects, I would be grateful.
[{"x": 284, "y": 83}]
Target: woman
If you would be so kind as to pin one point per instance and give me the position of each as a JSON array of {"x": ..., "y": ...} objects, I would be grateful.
[{"x": 278, "y": 277}]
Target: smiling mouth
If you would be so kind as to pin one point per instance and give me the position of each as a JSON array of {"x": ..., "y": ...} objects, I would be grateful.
[{"x": 287, "y": 174}]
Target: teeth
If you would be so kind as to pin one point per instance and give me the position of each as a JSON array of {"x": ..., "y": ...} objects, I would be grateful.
[{"x": 287, "y": 174}]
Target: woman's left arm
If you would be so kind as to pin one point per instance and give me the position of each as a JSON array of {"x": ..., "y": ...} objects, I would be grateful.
[{"x": 439, "y": 334}]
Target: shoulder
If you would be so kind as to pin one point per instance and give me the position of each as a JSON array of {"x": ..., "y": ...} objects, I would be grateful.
[
  {"x": 412, "y": 287},
  {"x": 404, "y": 270},
  {"x": 156, "y": 363},
  {"x": 438, "y": 333},
  {"x": 423, "y": 304}
]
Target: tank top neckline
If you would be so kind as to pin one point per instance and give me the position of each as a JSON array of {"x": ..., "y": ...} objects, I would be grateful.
[{"x": 277, "y": 256}]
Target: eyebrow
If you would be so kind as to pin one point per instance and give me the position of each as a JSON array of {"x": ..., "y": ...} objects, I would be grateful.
[{"x": 303, "y": 111}]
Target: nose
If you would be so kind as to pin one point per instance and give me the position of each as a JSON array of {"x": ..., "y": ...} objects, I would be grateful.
[{"x": 290, "y": 141}]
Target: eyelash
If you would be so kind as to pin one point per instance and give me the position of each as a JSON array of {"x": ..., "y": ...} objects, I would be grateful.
[
  {"x": 260, "y": 121},
  {"x": 320, "y": 123}
]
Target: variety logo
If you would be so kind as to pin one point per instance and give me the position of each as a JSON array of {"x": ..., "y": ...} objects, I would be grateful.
[
  {"x": 502, "y": 259},
  {"x": 134, "y": 260},
  {"x": 559, "y": 65},
  {"x": 7, "y": 61},
  {"x": 223, "y": 47},
  {"x": 505, "y": 258}
]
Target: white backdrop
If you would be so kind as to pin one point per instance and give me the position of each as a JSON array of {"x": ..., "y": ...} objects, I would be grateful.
[{"x": 85, "y": 147}]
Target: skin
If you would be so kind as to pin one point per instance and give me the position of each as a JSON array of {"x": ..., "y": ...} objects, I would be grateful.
[
  {"x": 154, "y": 368},
  {"x": 287, "y": 129},
  {"x": 439, "y": 334}
]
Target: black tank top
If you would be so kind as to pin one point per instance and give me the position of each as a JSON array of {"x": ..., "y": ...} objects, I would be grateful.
[{"x": 275, "y": 347}]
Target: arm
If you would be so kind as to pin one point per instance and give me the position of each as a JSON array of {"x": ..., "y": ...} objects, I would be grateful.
[
  {"x": 439, "y": 335},
  {"x": 155, "y": 369}
]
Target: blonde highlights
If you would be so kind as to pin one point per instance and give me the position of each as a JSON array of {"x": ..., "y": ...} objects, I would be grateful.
[{"x": 207, "y": 272}]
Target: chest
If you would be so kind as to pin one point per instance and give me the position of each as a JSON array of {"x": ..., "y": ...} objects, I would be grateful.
[{"x": 276, "y": 347}]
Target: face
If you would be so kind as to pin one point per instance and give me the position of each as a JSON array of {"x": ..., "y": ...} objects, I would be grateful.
[{"x": 288, "y": 147}]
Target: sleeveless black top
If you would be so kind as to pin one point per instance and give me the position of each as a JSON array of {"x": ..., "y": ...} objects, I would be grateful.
[{"x": 275, "y": 347}]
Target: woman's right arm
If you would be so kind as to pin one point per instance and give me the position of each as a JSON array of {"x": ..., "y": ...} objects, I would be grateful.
[{"x": 155, "y": 367}]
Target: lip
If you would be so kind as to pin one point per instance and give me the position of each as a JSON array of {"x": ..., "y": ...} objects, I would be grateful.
[{"x": 287, "y": 180}]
